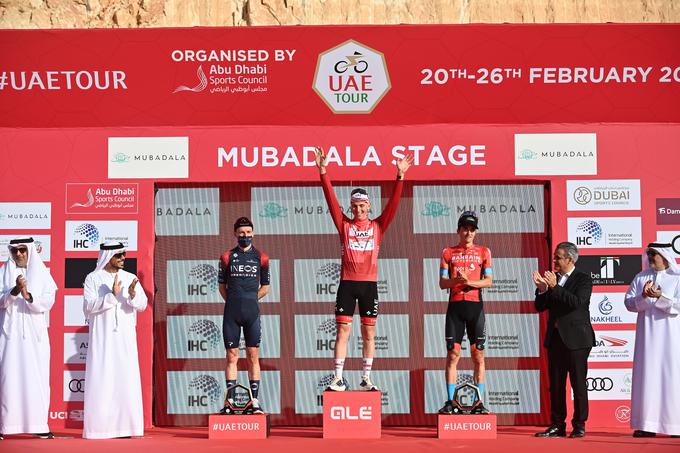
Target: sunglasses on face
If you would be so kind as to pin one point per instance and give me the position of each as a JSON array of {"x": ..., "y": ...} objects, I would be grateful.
[
  {"x": 119, "y": 255},
  {"x": 18, "y": 250}
]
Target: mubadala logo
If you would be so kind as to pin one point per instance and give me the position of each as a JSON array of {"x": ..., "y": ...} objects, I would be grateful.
[
  {"x": 327, "y": 279},
  {"x": 273, "y": 211},
  {"x": 351, "y": 78},
  {"x": 204, "y": 391},
  {"x": 183, "y": 211},
  {"x": 527, "y": 154},
  {"x": 588, "y": 233},
  {"x": 87, "y": 236},
  {"x": 120, "y": 158},
  {"x": 204, "y": 335},
  {"x": 206, "y": 274},
  {"x": 436, "y": 209}
]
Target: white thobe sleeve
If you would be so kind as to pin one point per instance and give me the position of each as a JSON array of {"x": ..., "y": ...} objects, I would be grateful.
[
  {"x": 42, "y": 302},
  {"x": 140, "y": 300},
  {"x": 93, "y": 301},
  {"x": 7, "y": 299},
  {"x": 636, "y": 301},
  {"x": 668, "y": 304}
]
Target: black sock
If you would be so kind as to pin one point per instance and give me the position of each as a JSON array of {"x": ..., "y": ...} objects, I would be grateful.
[
  {"x": 230, "y": 392},
  {"x": 255, "y": 388}
]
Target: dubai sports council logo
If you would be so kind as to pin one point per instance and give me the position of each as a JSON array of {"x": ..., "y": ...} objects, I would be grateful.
[{"x": 351, "y": 78}]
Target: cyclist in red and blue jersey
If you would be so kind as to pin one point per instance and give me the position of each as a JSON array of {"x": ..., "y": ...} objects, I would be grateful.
[
  {"x": 465, "y": 269},
  {"x": 243, "y": 281},
  {"x": 360, "y": 239}
]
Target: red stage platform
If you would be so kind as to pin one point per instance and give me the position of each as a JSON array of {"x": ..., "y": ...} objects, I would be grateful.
[{"x": 296, "y": 439}]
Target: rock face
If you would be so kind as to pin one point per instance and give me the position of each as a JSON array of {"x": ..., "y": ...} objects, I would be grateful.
[{"x": 191, "y": 13}]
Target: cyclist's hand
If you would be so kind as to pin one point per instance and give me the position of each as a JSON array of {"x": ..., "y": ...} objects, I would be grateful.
[
  {"x": 320, "y": 159},
  {"x": 404, "y": 164}
]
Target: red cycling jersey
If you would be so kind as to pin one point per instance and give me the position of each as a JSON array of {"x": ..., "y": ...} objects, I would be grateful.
[
  {"x": 475, "y": 260},
  {"x": 360, "y": 239}
]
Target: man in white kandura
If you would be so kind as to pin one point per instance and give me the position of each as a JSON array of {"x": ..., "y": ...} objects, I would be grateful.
[
  {"x": 113, "y": 389},
  {"x": 27, "y": 292},
  {"x": 655, "y": 295}
]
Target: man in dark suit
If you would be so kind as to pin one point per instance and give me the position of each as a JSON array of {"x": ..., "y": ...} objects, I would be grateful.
[{"x": 565, "y": 293}]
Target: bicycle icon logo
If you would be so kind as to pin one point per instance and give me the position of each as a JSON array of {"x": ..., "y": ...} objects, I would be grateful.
[{"x": 355, "y": 61}]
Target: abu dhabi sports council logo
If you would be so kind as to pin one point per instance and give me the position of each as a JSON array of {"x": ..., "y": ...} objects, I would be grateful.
[
  {"x": 88, "y": 203},
  {"x": 582, "y": 195},
  {"x": 527, "y": 154},
  {"x": 588, "y": 233},
  {"x": 204, "y": 335},
  {"x": 206, "y": 274},
  {"x": 87, "y": 235},
  {"x": 204, "y": 391},
  {"x": 351, "y": 78},
  {"x": 327, "y": 279},
  {"x": 200, "y": 86},
  {"x": 436, "y": 209},
  {"x": 273, "y": 211}
]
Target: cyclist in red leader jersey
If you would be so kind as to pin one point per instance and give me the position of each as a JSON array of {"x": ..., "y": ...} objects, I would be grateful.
[
  {"x": 360, "y": 239},
  {"x": 465, "y": 270}
]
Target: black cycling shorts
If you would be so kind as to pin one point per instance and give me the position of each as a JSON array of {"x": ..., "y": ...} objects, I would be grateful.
[
  {"x": 465, "y": 316},
  {"x": 349, "y": 293},
  {"x": 231, "y": 330}
]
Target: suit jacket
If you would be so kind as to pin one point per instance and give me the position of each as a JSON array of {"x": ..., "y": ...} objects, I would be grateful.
[{"x": 568, "y": 308}]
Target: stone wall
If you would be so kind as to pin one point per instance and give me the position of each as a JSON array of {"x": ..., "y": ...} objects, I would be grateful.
[{"x": 191, "y": 13}]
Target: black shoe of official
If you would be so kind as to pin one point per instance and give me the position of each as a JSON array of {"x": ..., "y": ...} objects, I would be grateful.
[
  {"x": 480, "y": 409},
  {"x": 552, "y": 431},
  {"x": 47, "y": 435},
  {"x": 641, "y": 433},
  {"x": 577, "y": 433},
  {"x": 447, "y": 409}
]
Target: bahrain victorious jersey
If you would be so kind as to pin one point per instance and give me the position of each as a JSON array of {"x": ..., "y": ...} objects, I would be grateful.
[
  {"x": 360, "y": 239},
  {"x": 475, "y": 260}
]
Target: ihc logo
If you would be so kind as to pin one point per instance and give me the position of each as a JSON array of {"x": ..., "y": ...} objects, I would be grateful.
[
  {"x": 90, "y": 234},
  {"x": 330, "y": 271},
  {"x": 351, "y": 78},
  {"x": 582, "y": 195},
  {"x": 202, "y": 83},
  {"x": 208, "y": 331},
  {"x": 436, "y": 209},
  {"x": 273, "y": 211},
  {"x": 208, "y": 387},
  {"x": 205, "y": 273},
  {"x": 591, "y": 233}
]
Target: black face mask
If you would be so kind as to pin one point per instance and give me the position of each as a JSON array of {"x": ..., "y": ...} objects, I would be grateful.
[{"x": 245, "y": 241}]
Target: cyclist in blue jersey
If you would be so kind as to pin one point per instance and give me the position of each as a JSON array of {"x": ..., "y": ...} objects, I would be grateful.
[{"x": 243, "y": 281}]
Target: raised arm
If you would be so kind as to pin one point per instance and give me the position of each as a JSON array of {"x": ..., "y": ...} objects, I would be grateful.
[
  {"x": 331, "y": 199},
  {"x": 393, "y": 203}
]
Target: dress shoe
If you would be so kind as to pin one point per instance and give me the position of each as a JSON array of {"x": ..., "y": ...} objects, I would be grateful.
[
  {"x": 577, "y": 432},
  {"x": 552, "y": 431},
  {"x": 641, "y": 433}
]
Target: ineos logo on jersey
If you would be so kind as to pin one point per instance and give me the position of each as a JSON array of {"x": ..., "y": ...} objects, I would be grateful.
[
  {"x": 604, "y": 384},
  {"x": 345, "y": 413},
  {"x": 243, "y": 268},
  {"x": 77, "y": 385}
]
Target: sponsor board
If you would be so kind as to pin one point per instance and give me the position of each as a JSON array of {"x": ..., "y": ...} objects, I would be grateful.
[
  {"x": 74, "y": 385},
  {"x": 317, "y": 280},
  {"x": 193, "y": 281},
  {"x": 201, "y": 337},
  {"x": 202, "y": 392},
  {"x": 610, "y": 270},
  {"x": 315, "y": 336},
  {"x": 86, "y": 235},
  {"x": 76, "y": 269},
  {"x": 351, "y": 78},
  {"x": 394, "y": 386},
  {"x": 25, "y": 216},
  {"x": 507, "y": 335},
  {"x": 42, "y": 243},
  {"x": 102, "y": 198},
  {"x": 603, "y": 195},
  {"x": 74, "y": 414},
  {"x": 507, "y": 391},
  {"x": 608, "y": 384},
  {"x": 148, "y": 157},
  {"x": 501, "y": 208},
  {"x": 75, "y": 347},
  {"x": 302, "y": 210},
  {"x": 613, "y": 346},
  {"x": 605, "y": 232},
  {"x": 555, "y": 154},
  {"x": 188, "y": 212},
  {"x": 510, "y": 280},
  {"x": 73, "y": 311},
  {"x": 355, "y": 415},
  {"x": 668, "y": 211},
  {"x": 608, "y": 308},
  {"x": 670, "y": 237}
]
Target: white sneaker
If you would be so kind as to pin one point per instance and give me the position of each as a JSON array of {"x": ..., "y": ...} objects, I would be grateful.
[
  {"x": 257, "y": 409},
  {"x": 337, "y": 385},
  {"x": 367, "y": 384}
]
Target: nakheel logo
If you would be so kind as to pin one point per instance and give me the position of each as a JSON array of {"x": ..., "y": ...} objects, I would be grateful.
[{"x": 351, "y": 78}]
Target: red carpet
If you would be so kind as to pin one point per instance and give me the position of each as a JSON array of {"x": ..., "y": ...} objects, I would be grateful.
[{"x": 309, "y": 440}]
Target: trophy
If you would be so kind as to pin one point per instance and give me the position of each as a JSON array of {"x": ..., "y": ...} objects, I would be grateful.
[
  {"x": 241, "y": 404},
  {"x": 467, "y": 400}
]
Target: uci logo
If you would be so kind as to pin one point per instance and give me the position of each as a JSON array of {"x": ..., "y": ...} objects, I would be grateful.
[
  {"x": 345, "y": 413},
  {"x": 604, "y": 384}
]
